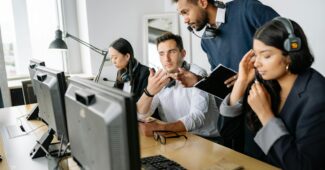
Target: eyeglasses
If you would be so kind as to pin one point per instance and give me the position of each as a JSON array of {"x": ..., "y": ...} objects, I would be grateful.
[{"x": 162, "y": 135}]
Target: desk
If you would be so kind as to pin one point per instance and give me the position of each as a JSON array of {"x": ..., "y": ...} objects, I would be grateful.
[
  {"x": 15, "y": 151},
  {"x": 194, "y": 153},
  {"x": 198, "y": 153}
]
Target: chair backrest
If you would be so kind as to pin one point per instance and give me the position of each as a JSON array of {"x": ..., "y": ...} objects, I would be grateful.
[{"x": 28, "y": 92}]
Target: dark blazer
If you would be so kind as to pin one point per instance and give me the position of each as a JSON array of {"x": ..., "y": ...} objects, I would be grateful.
[
  {"x": 304, "y": 117},
  {"x": 140, "y": 76}
]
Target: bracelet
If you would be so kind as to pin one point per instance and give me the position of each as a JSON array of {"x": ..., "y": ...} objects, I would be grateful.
[{"x": 147, "y": 93}]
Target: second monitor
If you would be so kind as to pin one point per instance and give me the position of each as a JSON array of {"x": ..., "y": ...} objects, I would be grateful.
[
  {"x": 50, "y": 86},
  {"x": 102, "y": 125}
]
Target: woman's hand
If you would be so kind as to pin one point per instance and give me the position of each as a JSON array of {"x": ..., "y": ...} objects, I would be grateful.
[
  {"x": 260, "y": 101},
  {"x": 244, "y": 76},
  {"x": 246, "y": 69}
]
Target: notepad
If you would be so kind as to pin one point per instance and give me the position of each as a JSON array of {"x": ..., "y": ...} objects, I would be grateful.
[{"x": 214, "y": 83}]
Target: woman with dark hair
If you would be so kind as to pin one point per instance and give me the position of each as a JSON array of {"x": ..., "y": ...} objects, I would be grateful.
[
  {"x": 132, "y": 76},
  {"x": 277, "y": 104}
]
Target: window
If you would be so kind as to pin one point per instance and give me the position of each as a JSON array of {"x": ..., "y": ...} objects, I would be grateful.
[
  {"x": 27, "y": 28},
  {"x": 154, "y": 26},
  {"x": 8, "y": 36}
]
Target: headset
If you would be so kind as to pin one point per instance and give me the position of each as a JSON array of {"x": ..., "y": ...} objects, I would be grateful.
[
  {"x": 127, "y": 76},
  {"x": 172, "y": 82},
  {"x": 292, "y": 43},
  {"x": 210, "y": 32}
]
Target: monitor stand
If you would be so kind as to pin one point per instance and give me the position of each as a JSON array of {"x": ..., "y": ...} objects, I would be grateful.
[
  {"x": 33, "y": 115},
  {"x": 42, "y": 146}
]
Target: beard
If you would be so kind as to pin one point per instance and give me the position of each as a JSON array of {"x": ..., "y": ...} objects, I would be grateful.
[{"x": 202, "y": 21}]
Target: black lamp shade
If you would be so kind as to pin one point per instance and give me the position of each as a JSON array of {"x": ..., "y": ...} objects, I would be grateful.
[{"x": 58, "y": 43}]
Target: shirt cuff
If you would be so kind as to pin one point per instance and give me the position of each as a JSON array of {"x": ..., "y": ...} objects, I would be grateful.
[
  {"x": 270, "y": 133},
  {"x": 230, "y": 111}
]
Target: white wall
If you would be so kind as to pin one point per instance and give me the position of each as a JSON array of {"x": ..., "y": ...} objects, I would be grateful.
[
  {"x": 102, "y": 21},
  {"x": 309, "y": 14},
  {"x": 107, "y": 20}
]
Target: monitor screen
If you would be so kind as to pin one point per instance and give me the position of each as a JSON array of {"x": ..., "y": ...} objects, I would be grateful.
[
  {"x": 50, "y": 86},
  {"x": 102, "y": 125}
]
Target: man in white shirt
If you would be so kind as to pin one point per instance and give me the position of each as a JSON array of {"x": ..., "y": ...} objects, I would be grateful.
[{"x": 182, "y": 109}]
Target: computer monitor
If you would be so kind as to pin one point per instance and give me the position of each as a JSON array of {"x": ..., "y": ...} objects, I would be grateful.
[
  {"x": 102, "y": 126},
  {"x": 50, "y": 87},
  {"x": 33, "y": 63}
]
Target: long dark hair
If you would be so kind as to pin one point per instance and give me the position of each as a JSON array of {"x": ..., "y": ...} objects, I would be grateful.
[
  {"x": 124, "y": 47},
  {"x": 274, "y": 33}
]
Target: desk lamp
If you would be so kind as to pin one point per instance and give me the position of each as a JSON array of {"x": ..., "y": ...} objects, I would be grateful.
[{"x": 58, "y": 43}]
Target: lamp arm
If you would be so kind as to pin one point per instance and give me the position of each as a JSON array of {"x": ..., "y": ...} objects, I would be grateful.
[
  {"x": 100, "y": 69},
  {"x": 97, "y": 50}
]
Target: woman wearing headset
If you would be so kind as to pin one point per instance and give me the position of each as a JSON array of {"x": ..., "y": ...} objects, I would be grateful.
[
  {"x": 283, "y": 109},
  {"x": 132, "y": 76}
]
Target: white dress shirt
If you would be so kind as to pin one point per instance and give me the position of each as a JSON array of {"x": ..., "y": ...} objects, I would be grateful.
[{"x": 195, "y": 108}]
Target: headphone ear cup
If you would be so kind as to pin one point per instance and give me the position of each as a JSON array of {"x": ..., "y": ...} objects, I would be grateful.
[
  {"x": 125, "y": 77},
  {"x": 211, "y": 32},
  {"x": 292, "y": 44}
]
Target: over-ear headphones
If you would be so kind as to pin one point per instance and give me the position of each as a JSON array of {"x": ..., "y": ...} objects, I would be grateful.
[
  {"x": 186, "y": 65},
  {"x": 292, "y": 43},
  {"x": 219, "y": 4},
  {"x": 126, "y": 76},
  {"x": 210, "y": 32},
  {"x": 172, "y": 82}
]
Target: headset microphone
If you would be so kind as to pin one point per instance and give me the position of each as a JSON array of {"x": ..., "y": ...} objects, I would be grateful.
[
  {"x": 207, "y": 32},
  {"x": 190, "y": 28}
]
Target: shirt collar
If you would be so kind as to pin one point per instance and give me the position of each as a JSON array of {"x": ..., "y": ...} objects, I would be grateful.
[{"x": 221, "y": 14}]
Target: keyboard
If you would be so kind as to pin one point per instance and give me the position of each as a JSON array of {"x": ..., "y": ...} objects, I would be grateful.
[{"x": 159, "y": 162}]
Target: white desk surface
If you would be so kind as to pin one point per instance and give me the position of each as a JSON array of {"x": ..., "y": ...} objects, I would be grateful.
[{"x": 16, "y": 151}]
